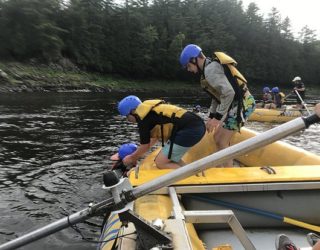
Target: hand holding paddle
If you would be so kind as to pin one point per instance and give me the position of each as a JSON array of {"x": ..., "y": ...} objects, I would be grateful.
[{"x": 302, "y": 101}]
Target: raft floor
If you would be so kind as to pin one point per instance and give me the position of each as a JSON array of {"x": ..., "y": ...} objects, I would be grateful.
[{"x": 263, "y": 239}]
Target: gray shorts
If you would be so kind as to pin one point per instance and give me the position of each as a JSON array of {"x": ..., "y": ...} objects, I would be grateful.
[{"x": 177, "y": 151}]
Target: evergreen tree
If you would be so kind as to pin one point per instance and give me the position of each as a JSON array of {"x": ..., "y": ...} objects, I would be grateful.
[
  {"x": 29, "y": 29},
  {"x": 144, "y": 38}
]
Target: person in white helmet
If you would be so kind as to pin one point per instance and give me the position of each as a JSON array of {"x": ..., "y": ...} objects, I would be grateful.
[{"x": 300, "y": 88}]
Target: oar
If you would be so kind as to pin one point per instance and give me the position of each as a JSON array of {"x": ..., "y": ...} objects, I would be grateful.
[
  {"x": 287, "y": 96},
  {"x": 257, "y": 211},
  {"x": 231, "y": 152},
  {"x": 127, "y": 195},
  {"x": 58, "y": 225},
  {"x": 302, "y": 101}
]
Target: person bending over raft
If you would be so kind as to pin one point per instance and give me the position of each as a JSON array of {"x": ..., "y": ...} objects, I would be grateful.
[
  {"x": 232, "y": 102},
  {"x": 177, "y": 129},
  {"x": 124, "y": 150}
]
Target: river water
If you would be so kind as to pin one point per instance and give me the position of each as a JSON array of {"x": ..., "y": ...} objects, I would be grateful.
[{"x": 53, "y": 151}]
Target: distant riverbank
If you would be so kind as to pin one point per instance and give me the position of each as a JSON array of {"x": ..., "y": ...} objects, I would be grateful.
[{"x": 18, "y": 77}]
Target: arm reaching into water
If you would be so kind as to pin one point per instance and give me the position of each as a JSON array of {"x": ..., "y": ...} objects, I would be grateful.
[{"x": 142, "y": 149}]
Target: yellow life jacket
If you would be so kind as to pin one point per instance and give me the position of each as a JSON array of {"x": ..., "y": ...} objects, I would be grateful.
[
  {"x": 160, "y": 131},
  {"x": 282, "y": 96},
  {"x": 224, "y": 59},
  {"x": 230, "y": 63}
]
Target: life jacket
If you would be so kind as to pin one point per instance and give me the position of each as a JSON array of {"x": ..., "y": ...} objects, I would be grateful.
[
  {"x": 224, "y": 59},
  {"x": 162, "y": 131},
  {"x": 282, "y": 96},
  {"x": 267, "y": 98},
  {"x": 236, "y": 79}
]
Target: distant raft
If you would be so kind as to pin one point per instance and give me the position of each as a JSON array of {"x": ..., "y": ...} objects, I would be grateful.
[{"x": 282, "y": 115}]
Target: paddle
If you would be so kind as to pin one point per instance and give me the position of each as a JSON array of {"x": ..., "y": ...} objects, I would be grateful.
[
  {"x": 302, "y": 101},
  {"x": 231, "y": 152},
  {"x": 124, "y": 194},
  {"x": 57, "y": 225},
  {"x": 290, "y": 94},
  {"x": 257, "y": 211}
]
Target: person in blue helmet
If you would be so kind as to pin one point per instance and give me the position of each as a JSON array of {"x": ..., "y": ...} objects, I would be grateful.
[
  {"x": 197, "y": 109},
  {"x": 231, "y": 103},
  {"x": 177, "y": 129},
  {"x": 266, "y": 97},
  {"x": 124, "y": 150},
  {"x": 277, "y": 99}
]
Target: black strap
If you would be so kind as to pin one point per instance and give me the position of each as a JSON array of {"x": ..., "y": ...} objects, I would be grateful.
[
  {"x": 239, "y": 92},
  {"x": 115, "y": 243},
  {"x": 161, "y": 128},
  {"x": 161, "y": 121},
  {"x": 173, "y": 134}
]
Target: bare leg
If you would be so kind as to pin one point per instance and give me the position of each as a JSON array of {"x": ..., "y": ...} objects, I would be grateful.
[
  {"x": 163, "y": 162},
  {"x": 316, "y": 246},
  {"x": 222, "y": 138}
]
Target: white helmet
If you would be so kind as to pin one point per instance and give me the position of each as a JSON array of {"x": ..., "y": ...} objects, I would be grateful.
[{"x": 297, "y": 78}]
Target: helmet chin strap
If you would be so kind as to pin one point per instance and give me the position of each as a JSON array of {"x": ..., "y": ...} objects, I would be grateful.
[{"x": 200, "y": 71}]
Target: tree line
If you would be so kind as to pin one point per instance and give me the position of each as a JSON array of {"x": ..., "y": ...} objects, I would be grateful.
[{"x": 143, "y": 39}]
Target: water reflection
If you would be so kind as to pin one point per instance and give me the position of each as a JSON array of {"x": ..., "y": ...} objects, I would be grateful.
[{"x": 53, "y": 151}]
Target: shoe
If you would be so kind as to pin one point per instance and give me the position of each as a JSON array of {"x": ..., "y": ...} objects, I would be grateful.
[
  {"x": 313, "y": 238},
  {"x": 284, "y": 243}
]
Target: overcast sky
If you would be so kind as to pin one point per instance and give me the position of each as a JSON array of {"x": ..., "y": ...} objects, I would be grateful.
[{"x": 300, "y": 12}]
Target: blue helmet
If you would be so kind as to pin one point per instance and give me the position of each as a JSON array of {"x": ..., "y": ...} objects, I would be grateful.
[
  {"x": 127, "y": 149},
  {"x": 266, "y": 90},
  {"x": 190, "y": 51},
  {"x": 127, "y": 104},
  {"x": 275, "y": 90},
  {"x": 197, "y": 108}
]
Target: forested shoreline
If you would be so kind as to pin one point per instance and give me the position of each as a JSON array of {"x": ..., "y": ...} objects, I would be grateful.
[
  {"x": 141, "y": 39},
  {"x": 21, "y": 77}
]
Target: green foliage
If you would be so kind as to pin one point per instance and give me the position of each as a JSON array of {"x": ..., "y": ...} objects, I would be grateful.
[
  {"x": 28, "y": 29},
  {"x": 143, "y": 38}
]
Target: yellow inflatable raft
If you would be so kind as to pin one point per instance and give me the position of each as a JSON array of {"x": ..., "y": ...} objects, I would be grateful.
[{"x": 272, "y": 188}]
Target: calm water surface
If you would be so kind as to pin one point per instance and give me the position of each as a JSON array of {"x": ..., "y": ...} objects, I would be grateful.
[{"x": 53, "y": 151}]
